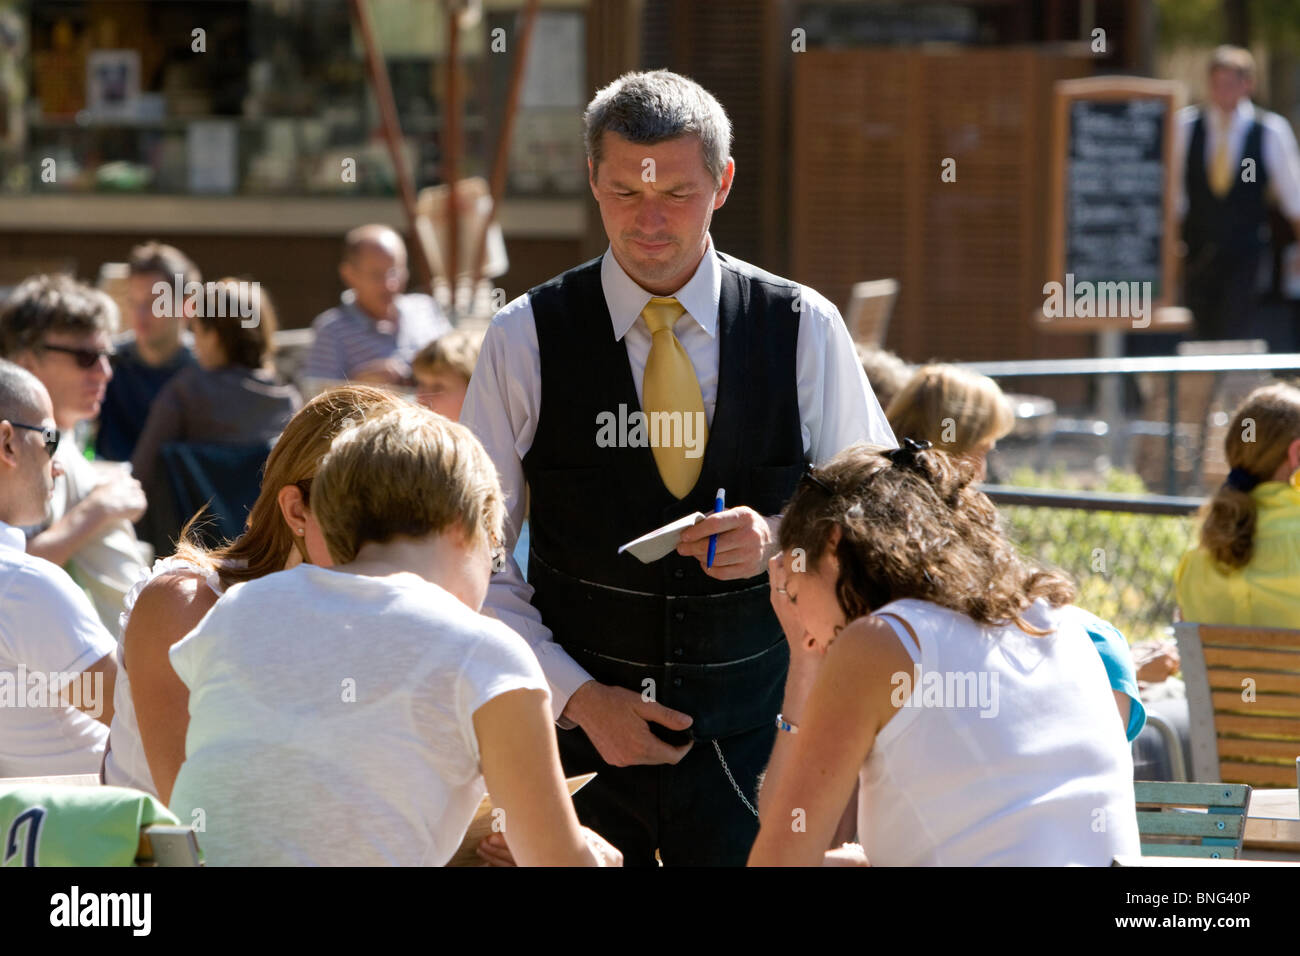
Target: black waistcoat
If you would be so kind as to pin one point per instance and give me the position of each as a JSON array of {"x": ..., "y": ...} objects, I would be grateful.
[
  {"x": 712, "y": 649},
  {"x": 1238, "y": 222}
]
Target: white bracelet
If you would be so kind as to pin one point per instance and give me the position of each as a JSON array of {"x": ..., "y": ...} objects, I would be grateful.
[{"x": 783, "y": 724}]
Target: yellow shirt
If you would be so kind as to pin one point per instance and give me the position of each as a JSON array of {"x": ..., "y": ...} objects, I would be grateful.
[{"x": 1264, "y": 593}]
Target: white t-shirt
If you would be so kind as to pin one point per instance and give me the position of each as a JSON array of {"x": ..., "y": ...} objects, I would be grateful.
[
  {"x": 47, "y": 627},
  {"x": 1014, "y": 756},
  {"x": 331, "y": 719},
  {"x": 125, "y": 763}
]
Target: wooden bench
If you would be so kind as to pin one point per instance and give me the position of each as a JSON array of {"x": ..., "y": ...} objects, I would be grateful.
[{"x": 1243, "y": 702}]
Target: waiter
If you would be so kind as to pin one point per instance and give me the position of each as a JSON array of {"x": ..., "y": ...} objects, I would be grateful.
[
  {"x": 666, "y": 678},
  {"x": 1225, "y": 209}
]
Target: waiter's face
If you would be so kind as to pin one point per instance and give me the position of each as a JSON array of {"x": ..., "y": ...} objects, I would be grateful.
[
  {"x": 1227, "y": 87},
  {"x": 657, "y": 203}
]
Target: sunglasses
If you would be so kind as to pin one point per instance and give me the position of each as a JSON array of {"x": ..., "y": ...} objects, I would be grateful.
[
  {"x": 48, "y": 433},
  {"x": 85, "y": 358}
]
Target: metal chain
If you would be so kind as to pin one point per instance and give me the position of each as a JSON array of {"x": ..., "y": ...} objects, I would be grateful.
[{"x": 727, "y": 770}]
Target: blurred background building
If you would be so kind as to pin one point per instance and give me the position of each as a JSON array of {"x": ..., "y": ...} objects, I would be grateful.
[{"x": 843, "y": 113}]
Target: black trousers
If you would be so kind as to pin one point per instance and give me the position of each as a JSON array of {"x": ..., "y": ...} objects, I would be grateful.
[
  {"x": 689, "y": 811},
  {"x": 1221, "y": 292}
]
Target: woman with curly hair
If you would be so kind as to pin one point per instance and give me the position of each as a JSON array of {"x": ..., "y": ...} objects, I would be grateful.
[{"x": 954, "y": 683}]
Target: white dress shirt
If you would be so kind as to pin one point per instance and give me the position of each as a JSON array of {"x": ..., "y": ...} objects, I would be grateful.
[
  {"x": 1277, "y": 142},
  {"x": 836, "y": 409},
  {"x": 47, "y": 627}
]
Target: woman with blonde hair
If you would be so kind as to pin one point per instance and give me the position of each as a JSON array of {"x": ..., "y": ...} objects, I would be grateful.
[
  {"x": 1246, "y": 568},
  {"x": 955, "y": 684},
  {"x": 960, "y": 412},
  {"x": 384, "y": 701},
  {"x": 147, "y": 740}
]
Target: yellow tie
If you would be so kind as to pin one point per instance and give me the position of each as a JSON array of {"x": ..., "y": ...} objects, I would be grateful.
[
  {"x": 671, "y": 388},
  {"x": 1220, "y": 171}
]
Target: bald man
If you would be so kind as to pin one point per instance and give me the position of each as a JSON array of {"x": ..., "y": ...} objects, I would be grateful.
[
  {"x": 374, "y": 332},
  {"x": 47, "y": 624}
]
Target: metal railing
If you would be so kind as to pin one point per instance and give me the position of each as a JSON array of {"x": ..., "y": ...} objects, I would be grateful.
[
  {"x": 1121, "y": 550},
  {"x": 1169, "y": 365}
]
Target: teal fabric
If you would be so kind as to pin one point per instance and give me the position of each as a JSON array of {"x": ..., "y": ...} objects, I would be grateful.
[
  {"x": 1115, "y": 654},
  {"x": 63, "y": 825}
]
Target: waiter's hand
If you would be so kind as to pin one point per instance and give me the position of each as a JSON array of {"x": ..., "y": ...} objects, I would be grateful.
[
  {"x": 615, "y": 719},
  {"x": 746, "y": 540}
]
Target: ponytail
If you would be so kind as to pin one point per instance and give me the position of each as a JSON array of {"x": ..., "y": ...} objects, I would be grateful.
[{"x": 1228, "y": 527}]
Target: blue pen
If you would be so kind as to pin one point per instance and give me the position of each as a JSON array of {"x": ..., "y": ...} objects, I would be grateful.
[{"x": 719, "y": 503}]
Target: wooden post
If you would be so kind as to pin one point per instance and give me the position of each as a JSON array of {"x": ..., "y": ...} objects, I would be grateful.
[
  {"x": 501, "y": 162},
  {"x": 383, "y": 91},
  {"x": 451, "y": 147}
]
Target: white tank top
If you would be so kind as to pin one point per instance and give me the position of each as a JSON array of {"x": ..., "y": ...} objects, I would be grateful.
[
  {"x": 125, "y": 764},
  {"x": 1007, "y": 750}
]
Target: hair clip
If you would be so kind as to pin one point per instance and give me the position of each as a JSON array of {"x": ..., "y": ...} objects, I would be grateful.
[
  {"x": 810, "y": 476},
  {"x": 1242, "y": 480},
  {"x": 905, "y": 454}
]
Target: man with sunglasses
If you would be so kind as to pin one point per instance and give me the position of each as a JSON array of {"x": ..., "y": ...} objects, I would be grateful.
[
  {"x": 58, "y": 329},
  {"x": 57, "y": 662}
]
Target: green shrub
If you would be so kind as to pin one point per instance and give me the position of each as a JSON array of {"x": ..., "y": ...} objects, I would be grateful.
[{"x": 1123, "y": 564}]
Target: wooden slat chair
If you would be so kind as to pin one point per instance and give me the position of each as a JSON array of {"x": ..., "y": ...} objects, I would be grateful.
[
  {"x": 1243, "y": 702},
  {"x": 1192, "y": 819}
]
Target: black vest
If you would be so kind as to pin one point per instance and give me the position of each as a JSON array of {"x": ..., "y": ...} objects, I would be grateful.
[
  {"x": 1237, "y": 223},
  {"x": 713, "y": 649}
]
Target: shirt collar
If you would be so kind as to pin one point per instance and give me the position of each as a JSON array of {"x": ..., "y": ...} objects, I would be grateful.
[
  {"x": 12, "y": 538},
  {"x": 348, "y": 300},
  {"x": 1244, "y": 113},
  {"x": 699, "y": 296}
]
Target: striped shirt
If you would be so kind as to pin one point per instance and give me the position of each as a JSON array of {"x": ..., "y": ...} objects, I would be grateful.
[{"x": 347, "y": 339}]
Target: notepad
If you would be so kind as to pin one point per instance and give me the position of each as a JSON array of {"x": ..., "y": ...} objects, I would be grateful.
[
  {"x": 661, "y": 541},
  {"x": 481, "y": 826}
]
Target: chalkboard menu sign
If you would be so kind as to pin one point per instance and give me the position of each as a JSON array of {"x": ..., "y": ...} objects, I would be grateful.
[{"x": 1113, "y": 225}]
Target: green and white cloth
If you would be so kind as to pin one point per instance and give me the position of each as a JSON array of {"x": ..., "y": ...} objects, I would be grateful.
[{"x": 62, "y": 825}]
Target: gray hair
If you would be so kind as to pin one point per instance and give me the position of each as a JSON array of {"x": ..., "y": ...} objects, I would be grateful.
[
  {"x": 52, "y": 303},
  {"x": 20, "y": 392},
  {"x": 649, "y": 108}
]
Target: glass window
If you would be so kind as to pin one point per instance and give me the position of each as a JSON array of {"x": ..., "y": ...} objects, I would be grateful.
[{"x": 270, "y": 97}]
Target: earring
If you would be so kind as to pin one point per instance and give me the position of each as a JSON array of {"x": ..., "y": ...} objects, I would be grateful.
[
  {"x": 1295, "y": 479},
  {"x": 302, "y": 530}
]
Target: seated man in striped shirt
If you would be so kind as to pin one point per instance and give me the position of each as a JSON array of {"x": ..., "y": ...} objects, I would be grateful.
[{"x": 375, "y": 331}]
